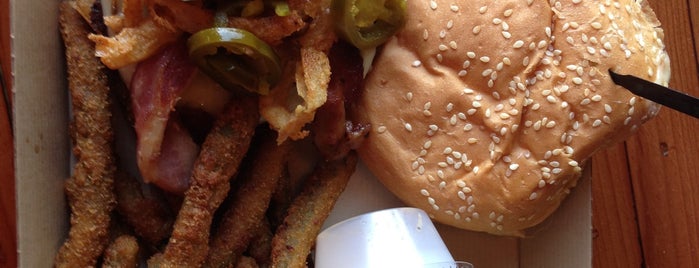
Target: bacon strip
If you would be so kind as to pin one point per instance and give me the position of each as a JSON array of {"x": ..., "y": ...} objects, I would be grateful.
[
  {"x": 166, "y": 152},
  {"x": 334, "y": 133}
]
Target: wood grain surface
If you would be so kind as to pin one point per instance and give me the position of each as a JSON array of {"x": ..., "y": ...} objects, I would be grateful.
[
  {"x": 645, "y": 191},
  {"x": 8, "y": 243}
]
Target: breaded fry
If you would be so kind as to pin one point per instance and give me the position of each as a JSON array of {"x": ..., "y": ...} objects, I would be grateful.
[
  {"x": 220, "y": 157},
  {"x": 249, "y": 203},
  {"x": 246, "y": 262},
  {"x": 150, "y": 217},
  {"x": 89, "y": 190},
  {"x": 260, "y": 246},
  {"x": 294, "y": 238},
  {"x": 121, "y": 253}
]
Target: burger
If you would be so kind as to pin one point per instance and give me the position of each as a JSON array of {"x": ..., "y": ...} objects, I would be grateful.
[{"x": 484, "y": 113}]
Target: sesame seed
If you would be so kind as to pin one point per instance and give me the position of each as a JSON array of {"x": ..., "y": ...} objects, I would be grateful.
[
  {"x": 597, "y": 123},
  {"x": 454, "y": 8},
  {"x": 461, "y": 195},
  {"x": 483, "y": 9},
  {"x": 607, "y": 108},
  {"x": 433, "y": 5},
  {"x": 443, "y": 47},
  {"x": 537, "y": 125},
  {"x": 591, "y": 50},
  {"x": 453, "y": 120},
  {"x": 381, "y": 129},
  {"x": 424, "y": 192},
  {"x": 542, "y": 183},
  {"x": 453, "y": 45},
  {"x": 476, "y": 104},
  {"x": 596, "y": 98},
  {"x": 577, "y": 80},
  {"x": 408, "y": 127},
  {"x": 468, "y": 127},
  {"x": 449, "y": 107},
  {"x": 533, "y": 196},
  {"x": 476, "y": 29},
  {"x": 425, "y": 34},
  {"x": 506, "y": 34},
  {"x": 462, "y": 73},
  {"x": 471, "y": 54},
  {"x": 514, "y": 167},
  {"x": 595, "y": 25},
  {"x": 417, "y": 63},
  {"x": 472, "y": 140},
  {"x": 485, "y": 59},
  {"x": 518, "y": 44}
]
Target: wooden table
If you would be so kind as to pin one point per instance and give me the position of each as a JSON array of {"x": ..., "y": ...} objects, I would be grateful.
[{"x": 645, "y": 191}]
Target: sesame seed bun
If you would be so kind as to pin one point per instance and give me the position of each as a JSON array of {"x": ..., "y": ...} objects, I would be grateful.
[{"x": 484, "y": 112}]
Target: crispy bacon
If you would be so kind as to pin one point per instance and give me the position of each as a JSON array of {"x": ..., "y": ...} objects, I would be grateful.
[
  {"x": 334, "y": 133},
  {"x": 166, "y": 151}
]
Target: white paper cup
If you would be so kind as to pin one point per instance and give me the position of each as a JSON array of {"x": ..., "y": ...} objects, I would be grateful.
[{"x": 398, "y": 237}]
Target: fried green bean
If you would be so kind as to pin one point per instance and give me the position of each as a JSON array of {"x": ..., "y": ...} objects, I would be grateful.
[
  {"x": 294, "y": 239},
  {"x": 249, "y": 203},
  {"x": 89, "y": 189},
  {"x": 219, "y": 159},
  {"x": 121, "y": 253}
]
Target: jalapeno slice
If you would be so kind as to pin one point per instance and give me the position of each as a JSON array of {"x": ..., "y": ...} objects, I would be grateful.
[
  {"x": 368, "y": 23},
  {"x": 235, "y": 58}
]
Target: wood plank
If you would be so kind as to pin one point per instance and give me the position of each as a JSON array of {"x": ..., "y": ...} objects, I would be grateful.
[
  {"x": 662, "y": 157},
  {"x": 8, "y": 226},
  {"x": 694, "y": 18},
  {"x": 615, "y": 240}
]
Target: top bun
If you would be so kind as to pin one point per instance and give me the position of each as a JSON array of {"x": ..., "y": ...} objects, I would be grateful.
[{"x": 483, "y": 112}]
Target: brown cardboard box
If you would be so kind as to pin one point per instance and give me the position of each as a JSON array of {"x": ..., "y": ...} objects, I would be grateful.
[{"x": 43, "y": 162}]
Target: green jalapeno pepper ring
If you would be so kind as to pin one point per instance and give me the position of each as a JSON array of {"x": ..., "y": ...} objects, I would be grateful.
[
  {"x": 235, "y": 58},
  {"x": 368, "y": 23}
]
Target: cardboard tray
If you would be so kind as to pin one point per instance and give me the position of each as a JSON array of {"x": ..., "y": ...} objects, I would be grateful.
[{"x": 42, "y": 151}]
